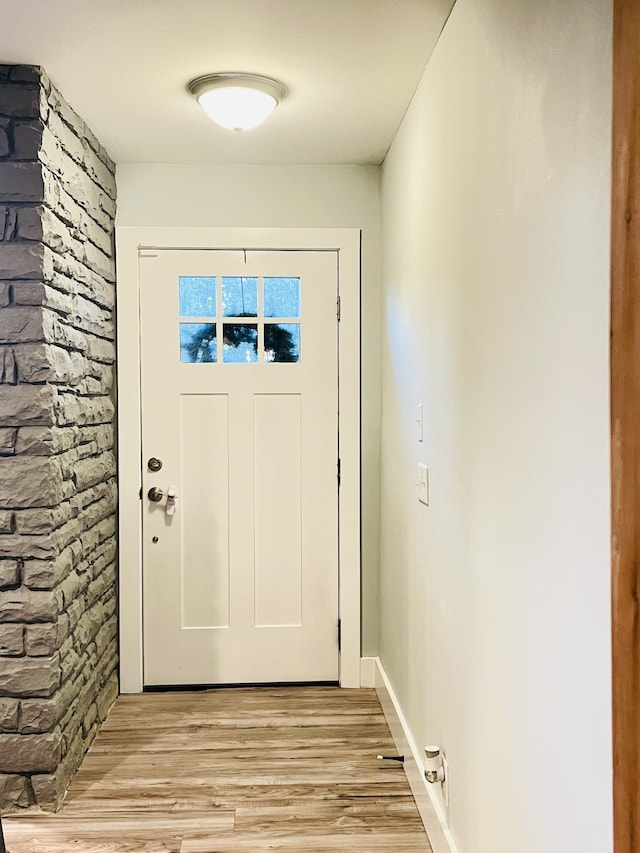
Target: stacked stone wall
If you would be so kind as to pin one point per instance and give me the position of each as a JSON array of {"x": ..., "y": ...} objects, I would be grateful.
[{"x": 58, "y": 653}]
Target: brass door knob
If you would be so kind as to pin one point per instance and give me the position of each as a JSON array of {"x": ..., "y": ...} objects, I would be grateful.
[{"x": 155, "y": 494}]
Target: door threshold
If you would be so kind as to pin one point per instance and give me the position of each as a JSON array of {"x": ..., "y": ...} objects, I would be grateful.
[{"x": 166, "y": 688}]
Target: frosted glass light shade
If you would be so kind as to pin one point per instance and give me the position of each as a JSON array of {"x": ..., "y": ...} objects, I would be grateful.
[
  {"x": 237, "y": 101},
  {"x": 237, "y": 108}
]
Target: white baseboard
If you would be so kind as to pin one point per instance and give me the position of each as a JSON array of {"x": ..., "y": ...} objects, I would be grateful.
[
  {"x": 430, "y": 808},
  {"x": 368, "y": 672}
]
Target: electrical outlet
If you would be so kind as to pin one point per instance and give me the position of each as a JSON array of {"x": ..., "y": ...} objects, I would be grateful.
[{"x": 444, "y": 785}]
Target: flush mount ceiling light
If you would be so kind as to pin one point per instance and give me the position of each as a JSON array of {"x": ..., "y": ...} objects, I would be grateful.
[{"x": 237, "y": 101}]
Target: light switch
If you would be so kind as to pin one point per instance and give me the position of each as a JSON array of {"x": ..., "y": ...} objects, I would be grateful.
[
  {"x": 423, "y": 484},
  {"x": 420, "y": 422}
]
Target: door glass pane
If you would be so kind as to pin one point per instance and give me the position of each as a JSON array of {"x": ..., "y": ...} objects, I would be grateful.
[
  {"x": 239, "y": 296},
  {"x": 197, "y": 296},
  {"x": 282, "y": 342},
  {"x": 281, "y": 297},
  {"x": 240, "y": 343},
  {"x": 198, "y": 342}
]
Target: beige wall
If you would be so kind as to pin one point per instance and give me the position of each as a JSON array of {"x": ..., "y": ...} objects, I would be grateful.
[
  {"x": 494, "y": 600},
  {"x": 286, "y": 196}
]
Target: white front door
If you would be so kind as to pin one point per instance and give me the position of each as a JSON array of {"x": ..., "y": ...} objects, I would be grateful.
[{"x": 240, "y": 422}]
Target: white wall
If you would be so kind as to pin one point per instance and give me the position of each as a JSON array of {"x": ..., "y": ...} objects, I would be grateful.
[
  {"x": 494, "y": 616},
  {"x": 286, "y": 196}
]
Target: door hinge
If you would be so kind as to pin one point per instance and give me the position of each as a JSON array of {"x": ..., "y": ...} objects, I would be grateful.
[
  {"x": 338, "y": 307},
  {"x": 339, "y": 634},
  {"x": 339, "y": 470},
  {"x": 140, "y": 493}
]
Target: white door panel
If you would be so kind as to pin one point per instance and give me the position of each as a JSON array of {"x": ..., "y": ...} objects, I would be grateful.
[{"x": 241, "y": 583}]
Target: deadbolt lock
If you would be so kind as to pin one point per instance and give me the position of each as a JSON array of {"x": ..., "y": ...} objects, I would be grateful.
[
  {"x": 154, "y": 464},
  {"x": 155, "y": 494}
]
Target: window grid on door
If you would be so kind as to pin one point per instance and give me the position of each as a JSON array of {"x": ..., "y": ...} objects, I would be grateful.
[{"x": 258, "y": 319}]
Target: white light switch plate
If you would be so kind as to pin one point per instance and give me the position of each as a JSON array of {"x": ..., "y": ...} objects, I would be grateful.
[{"x": 423, "y": 484}]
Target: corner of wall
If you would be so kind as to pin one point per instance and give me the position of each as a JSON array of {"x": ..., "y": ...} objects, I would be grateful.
[
  {"x": 58, "y": 653},
  {"x": 429, "y": 806}
]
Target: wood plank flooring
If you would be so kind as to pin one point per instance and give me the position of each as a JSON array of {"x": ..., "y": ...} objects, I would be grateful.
[{"x": 223, "y": 771}]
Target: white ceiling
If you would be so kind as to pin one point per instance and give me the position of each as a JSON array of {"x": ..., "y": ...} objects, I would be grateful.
[{"x": 351, "y": 67}]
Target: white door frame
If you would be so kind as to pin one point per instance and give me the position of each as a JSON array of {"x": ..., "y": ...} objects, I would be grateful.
[{"x": 129, "y": 241}]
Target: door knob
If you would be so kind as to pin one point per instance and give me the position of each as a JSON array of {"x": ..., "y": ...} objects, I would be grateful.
[{"x": 155, "y": 494}]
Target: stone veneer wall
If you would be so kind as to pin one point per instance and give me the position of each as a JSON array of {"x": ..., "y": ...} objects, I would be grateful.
[{"x": 58, "y": 652}]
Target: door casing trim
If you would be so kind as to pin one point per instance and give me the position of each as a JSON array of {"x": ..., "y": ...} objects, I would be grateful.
[
  {"x": 625, "y": 436},
  {"x": 130, "y": 240}
]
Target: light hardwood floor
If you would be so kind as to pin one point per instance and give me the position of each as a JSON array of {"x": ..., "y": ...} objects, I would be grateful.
[{"x": 221, "y": 771}]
